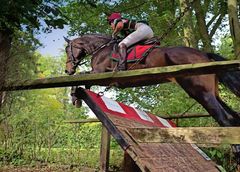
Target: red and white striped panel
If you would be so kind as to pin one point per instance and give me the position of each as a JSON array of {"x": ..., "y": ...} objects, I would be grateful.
[{"x": 119, "y": 109}]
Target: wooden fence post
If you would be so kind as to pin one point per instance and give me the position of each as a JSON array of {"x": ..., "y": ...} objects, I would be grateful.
[{"x": 105, "y": 150}]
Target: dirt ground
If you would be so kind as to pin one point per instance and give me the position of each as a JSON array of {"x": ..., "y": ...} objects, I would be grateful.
[{"x": 45, "y": 169}]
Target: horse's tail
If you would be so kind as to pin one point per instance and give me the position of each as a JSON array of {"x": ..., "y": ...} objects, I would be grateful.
[{"x": 229, "y": 79}]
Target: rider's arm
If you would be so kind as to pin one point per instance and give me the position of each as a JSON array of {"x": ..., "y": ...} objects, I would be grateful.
[{"x": 117, "y": 28}]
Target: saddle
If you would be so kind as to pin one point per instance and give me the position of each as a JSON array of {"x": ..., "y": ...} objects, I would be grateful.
[{"x": 138, "y": 51}]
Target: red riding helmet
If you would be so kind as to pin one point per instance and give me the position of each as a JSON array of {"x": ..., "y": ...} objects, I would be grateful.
[{"x": 114, "y": 16}]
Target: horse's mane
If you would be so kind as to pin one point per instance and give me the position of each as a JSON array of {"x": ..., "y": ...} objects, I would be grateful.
[
  {"x": 98, "y": 35},
  {"x": 92, "y": 41}
]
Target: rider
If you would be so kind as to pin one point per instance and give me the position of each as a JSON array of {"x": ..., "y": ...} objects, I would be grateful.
[{"x": 134, "y": 31}]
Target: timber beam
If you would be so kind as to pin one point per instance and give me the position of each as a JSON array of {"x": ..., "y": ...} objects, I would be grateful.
[
  {"x": 174, "y": 116},
  {"x": 198, "y": 135},
  {"x": 123, "y": 79}
]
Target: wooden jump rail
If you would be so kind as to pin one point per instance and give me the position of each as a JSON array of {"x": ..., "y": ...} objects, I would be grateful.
[
  {"x": 174, "y": 116},
  {"x": 198, "y": 135},
  {"x": 139, "y": 77}
]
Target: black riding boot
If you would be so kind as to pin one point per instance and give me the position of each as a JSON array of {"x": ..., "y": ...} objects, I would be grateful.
[{"x": 123, "y": 57}]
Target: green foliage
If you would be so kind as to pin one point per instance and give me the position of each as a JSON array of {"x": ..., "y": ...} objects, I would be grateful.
[
  {"x": 226, "y": 48},
  {"x": 223, "y": 156},
  {"x": 85, "y": 17},
  {"x": 32, "y": 120},
  {"x": 29, "y": 15}
]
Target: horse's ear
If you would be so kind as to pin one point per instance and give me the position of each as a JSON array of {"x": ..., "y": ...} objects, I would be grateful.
[{"x": 66, "y": 39}]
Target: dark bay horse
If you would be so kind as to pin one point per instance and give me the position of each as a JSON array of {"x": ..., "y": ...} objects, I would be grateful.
[{"x": 203, "y": 88}]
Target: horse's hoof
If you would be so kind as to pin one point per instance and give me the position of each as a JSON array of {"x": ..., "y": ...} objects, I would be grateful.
[
  {"x": 78, "y": 103},
  {"x": 238, "y": 168}
]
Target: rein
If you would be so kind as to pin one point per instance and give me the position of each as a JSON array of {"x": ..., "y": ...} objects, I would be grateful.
[{"x": 102, "y": 46}]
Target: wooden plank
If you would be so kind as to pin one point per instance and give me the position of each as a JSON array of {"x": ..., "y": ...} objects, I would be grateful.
[
  {"x": 181, "y": 116},
  {"x": 198, "y": 135},
  {"x": 174, "y": 116},
  {"x": 82, "y": 121},
  {"x": 105, "y": 150},
  {"x": 121, "y": 79}
]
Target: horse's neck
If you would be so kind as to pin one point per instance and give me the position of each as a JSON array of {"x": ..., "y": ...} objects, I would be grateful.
[
  {"x": 102, "y": 59},
  {"x": 93, "y": 42},
  {"x": 103, "y": 53}
]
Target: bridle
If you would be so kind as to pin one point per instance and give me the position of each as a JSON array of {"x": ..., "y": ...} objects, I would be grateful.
[{"x": 75, "y": 62}]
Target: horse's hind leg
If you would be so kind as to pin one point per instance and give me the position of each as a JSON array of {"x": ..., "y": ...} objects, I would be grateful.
[
  {"x": 205, "y": 93},
  {"x": 235, "y": 114},
  {"x": 202, "y": 89},
  {"x": 214, "y": 108}
]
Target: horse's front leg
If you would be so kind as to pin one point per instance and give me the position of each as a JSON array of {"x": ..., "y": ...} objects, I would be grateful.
[
  {"x": 104, "y": 66},
  {"x": 97, "y": 70}
]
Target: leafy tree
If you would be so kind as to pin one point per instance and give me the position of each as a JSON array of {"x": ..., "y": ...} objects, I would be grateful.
[
  {"x": 33, "y": 120},
  {"x": 28, "y": 17},
  {"x": 234, "y": 14}
]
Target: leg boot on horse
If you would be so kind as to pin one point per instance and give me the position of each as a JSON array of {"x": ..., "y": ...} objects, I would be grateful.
[
  {"x": 123, "y": 57},
  {"x": 76, "y": 101}
]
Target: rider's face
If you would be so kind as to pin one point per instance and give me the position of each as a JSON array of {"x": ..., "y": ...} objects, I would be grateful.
[{"x": 112, "y": 26}]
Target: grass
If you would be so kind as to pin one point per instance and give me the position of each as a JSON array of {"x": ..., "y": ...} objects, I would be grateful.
[{"x": 67, "y": 157}]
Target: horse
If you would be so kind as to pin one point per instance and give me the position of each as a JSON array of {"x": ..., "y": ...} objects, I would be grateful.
[{"x": 202, "y": 88}]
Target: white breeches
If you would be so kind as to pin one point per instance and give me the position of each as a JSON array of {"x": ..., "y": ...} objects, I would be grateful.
[{"x": 142, "y": 32}]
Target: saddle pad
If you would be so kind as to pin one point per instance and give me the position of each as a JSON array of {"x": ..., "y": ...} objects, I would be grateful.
[{"x": 135, "y": 54}]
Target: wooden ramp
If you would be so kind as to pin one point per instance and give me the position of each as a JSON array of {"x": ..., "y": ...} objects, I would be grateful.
[{"x": 150, "y": 157}]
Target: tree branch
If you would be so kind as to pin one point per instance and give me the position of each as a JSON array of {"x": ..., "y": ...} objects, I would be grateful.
[
  {"x": 134, "y": 7},
  {"x": 212, "y": 20},
  {"x": 217, "y": 24}
]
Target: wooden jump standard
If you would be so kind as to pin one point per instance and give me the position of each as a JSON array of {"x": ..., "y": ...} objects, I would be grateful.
[
  {"x": 121, "y": 121},
  {"x": 139, "y": 135},
  {"x": 156, "y": 142},
  {"x": 121, "y": 79}
]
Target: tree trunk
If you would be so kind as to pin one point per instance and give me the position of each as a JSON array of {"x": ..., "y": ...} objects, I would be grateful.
[
  {"x": 5, "y": 45},
  {"x": 234, "y": 26},
  {"x": 202, "y": 27},
  {"x": 189, "y": 38}
]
